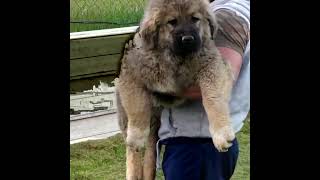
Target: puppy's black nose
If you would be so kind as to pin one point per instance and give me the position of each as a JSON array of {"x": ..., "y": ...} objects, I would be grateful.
[{"x": 187, "y": 39}]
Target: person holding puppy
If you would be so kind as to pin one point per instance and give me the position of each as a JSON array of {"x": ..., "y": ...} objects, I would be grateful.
[{"x": 189, "y": 151}]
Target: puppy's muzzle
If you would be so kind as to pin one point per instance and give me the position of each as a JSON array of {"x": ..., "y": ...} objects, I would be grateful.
[{"x": 186, "y": 42}]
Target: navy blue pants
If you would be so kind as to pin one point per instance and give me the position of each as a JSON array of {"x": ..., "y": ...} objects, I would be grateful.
[{"x": 197, "y": 159}]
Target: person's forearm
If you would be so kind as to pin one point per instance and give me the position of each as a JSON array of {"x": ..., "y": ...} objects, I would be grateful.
[{"x": 233, "y": 58}]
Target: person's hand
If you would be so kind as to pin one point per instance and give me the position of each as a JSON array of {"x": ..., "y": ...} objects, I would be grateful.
[{"x": 193, "y": 92}]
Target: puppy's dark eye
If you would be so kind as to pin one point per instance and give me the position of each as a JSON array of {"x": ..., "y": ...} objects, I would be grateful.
[
  {"x": 194, "y": 19},
  {"x": 173, "y": 22}
]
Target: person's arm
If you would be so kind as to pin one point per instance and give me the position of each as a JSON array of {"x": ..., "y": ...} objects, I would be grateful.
[{"x": 231, "y": 41}]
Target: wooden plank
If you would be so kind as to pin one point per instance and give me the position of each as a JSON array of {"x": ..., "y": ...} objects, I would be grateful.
[
  {"x": 92, "y": 65},
  {"x": 94, "y": 126},
  {"x": 103, "y": 32},
  {"x": 94, "y": 56},
  {"x": 82, "y": 48},
  {"x": 92, "y": 115},
  {"x": 91, "y": 102},
  {"x": 92, "y": 75},
  {"x": 81, "y": 83},
  {"x": 95, "y": 137}
]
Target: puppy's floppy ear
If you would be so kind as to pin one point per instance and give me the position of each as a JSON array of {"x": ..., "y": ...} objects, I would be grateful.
[
  {"x": 149, "y": 30},
  {"x": 212, "y": 23}
]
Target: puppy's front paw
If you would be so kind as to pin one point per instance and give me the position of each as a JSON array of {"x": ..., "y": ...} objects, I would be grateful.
[{"x": 222, "y": 138}]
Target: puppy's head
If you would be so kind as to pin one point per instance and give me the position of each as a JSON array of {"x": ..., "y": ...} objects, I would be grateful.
[{"x": 181, "y": 26}]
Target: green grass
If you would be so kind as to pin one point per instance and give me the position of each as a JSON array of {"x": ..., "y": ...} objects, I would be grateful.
[
  {"x": 242, "y": 171},
  {"x": 105, "y": 159},
  {"x": 122, "y": 12}
]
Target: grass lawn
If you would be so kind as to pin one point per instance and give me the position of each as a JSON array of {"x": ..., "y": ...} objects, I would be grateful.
[
  {"x": 105, "y": 159},
  {"x": 120, "y": 13}
]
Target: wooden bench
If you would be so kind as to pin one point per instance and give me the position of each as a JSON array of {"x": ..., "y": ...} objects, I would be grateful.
[{"x": 94, "y": 56}]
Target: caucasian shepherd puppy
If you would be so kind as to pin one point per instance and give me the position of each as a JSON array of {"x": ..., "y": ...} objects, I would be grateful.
[{"x": 172, "y": 50}]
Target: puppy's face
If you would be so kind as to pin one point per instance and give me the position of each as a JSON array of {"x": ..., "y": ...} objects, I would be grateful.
[
  {"x": 184, "y": 35},
  {"x": 180, "y": 26}
]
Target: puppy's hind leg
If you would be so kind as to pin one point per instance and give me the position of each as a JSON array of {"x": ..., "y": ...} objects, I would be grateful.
[
  {"x": 137, "y": 105},
  {"x": 149, "y": 166}
]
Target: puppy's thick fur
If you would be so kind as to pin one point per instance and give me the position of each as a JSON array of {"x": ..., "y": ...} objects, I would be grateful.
[{"x": 172, "y": 50}]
